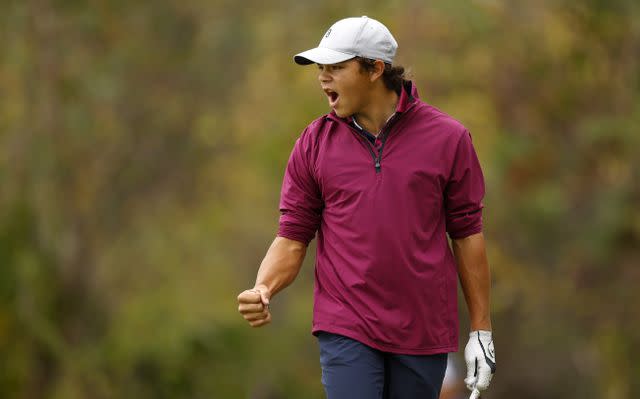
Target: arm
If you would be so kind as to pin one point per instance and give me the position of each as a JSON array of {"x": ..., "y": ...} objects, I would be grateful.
[
  {"x": 475, "y": 279},
  {"x": 300, "y": 207},
  {"x": 281, "y": 264},
  {"x": 278, "y": 269},
  {"x": 463, "y": 202}
]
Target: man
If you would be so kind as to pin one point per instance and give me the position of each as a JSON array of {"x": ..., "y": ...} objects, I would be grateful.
[{"x": 382, "y": 179}]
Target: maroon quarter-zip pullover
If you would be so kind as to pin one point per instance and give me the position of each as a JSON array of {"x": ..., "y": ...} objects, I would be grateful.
[{"x": 385, "y": 274}]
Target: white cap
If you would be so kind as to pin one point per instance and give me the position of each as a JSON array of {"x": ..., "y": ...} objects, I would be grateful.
[{"x": 352, "y": 37}]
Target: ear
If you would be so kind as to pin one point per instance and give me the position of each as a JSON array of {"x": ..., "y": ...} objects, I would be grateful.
[{"x": 377, "y": 72}]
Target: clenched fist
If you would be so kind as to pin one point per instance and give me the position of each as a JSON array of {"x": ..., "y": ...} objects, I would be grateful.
[{"x": 254, "y": 305}]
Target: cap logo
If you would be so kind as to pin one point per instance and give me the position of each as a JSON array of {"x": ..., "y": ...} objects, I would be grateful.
[{"x": 328, "y": 33}]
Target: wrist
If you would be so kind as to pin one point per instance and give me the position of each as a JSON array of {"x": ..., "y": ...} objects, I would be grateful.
[
  {"x": 261, "y": 287},
  {"x": 264, "y": 289},
  {"x": 481, "y": 324},
  {"x": 481, "y": 333}
]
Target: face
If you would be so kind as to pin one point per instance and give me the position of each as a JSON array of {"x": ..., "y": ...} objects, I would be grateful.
[{"x": 347, "y": 87}]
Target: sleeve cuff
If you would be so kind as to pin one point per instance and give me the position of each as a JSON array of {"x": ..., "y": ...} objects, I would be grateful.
[{"x": 466, "y": 232}]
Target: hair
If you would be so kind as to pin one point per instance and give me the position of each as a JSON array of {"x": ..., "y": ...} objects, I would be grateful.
[{"x": 392, "y": 76}]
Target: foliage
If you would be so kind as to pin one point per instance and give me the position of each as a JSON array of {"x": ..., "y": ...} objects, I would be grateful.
[{"x": 142, "y": 150}]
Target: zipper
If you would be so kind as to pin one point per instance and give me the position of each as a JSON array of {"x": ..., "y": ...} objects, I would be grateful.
[
  {"x": 385, "y": 132},
  {"x": 377, "y": 159}
]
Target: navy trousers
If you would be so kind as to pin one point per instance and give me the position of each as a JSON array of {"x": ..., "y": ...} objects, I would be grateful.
[{"x": 352, "y": 370}]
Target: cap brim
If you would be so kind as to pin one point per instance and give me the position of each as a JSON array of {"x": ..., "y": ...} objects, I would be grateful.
[{"x": 321, "y": 55}]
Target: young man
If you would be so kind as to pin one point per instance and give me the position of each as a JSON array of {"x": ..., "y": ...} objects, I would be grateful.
[{"x": 382, "y": 179}]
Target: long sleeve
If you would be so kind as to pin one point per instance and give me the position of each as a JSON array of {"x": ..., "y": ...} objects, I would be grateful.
[
  {"x": 300, "y": 199},
  {"x": 464, "y": 192}
]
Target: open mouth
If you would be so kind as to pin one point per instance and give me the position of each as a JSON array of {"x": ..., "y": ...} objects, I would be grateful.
[{"x": 332, "y": 96}]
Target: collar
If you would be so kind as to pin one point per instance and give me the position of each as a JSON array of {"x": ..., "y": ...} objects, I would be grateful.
[{"x": 351, "y": 119}]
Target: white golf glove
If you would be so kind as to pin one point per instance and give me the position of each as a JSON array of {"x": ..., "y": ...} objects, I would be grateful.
[{"x": 481, "y": 362}]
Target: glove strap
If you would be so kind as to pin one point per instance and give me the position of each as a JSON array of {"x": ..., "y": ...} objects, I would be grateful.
[{"x": 487, "y": 334}]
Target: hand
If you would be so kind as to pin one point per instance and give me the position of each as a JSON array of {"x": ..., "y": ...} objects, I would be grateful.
[
  {"x": 254, "y": 305},
  {"x": 481, "y": 362}
]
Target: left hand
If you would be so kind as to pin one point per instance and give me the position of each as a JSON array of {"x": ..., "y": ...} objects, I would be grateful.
[{"x": 481, "y": 361}]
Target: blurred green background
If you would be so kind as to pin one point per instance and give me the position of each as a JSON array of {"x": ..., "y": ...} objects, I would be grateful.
[{"x": 143, "y": 146}]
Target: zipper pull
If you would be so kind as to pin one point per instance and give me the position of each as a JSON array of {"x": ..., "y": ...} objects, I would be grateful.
[{"x": 377, "y": 166}]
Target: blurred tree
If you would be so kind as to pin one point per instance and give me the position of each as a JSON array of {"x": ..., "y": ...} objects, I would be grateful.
[{"x": 142, "y": 151}]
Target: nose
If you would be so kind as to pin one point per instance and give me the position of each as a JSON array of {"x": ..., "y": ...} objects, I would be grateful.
[{"x": 323, "y": 76}]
